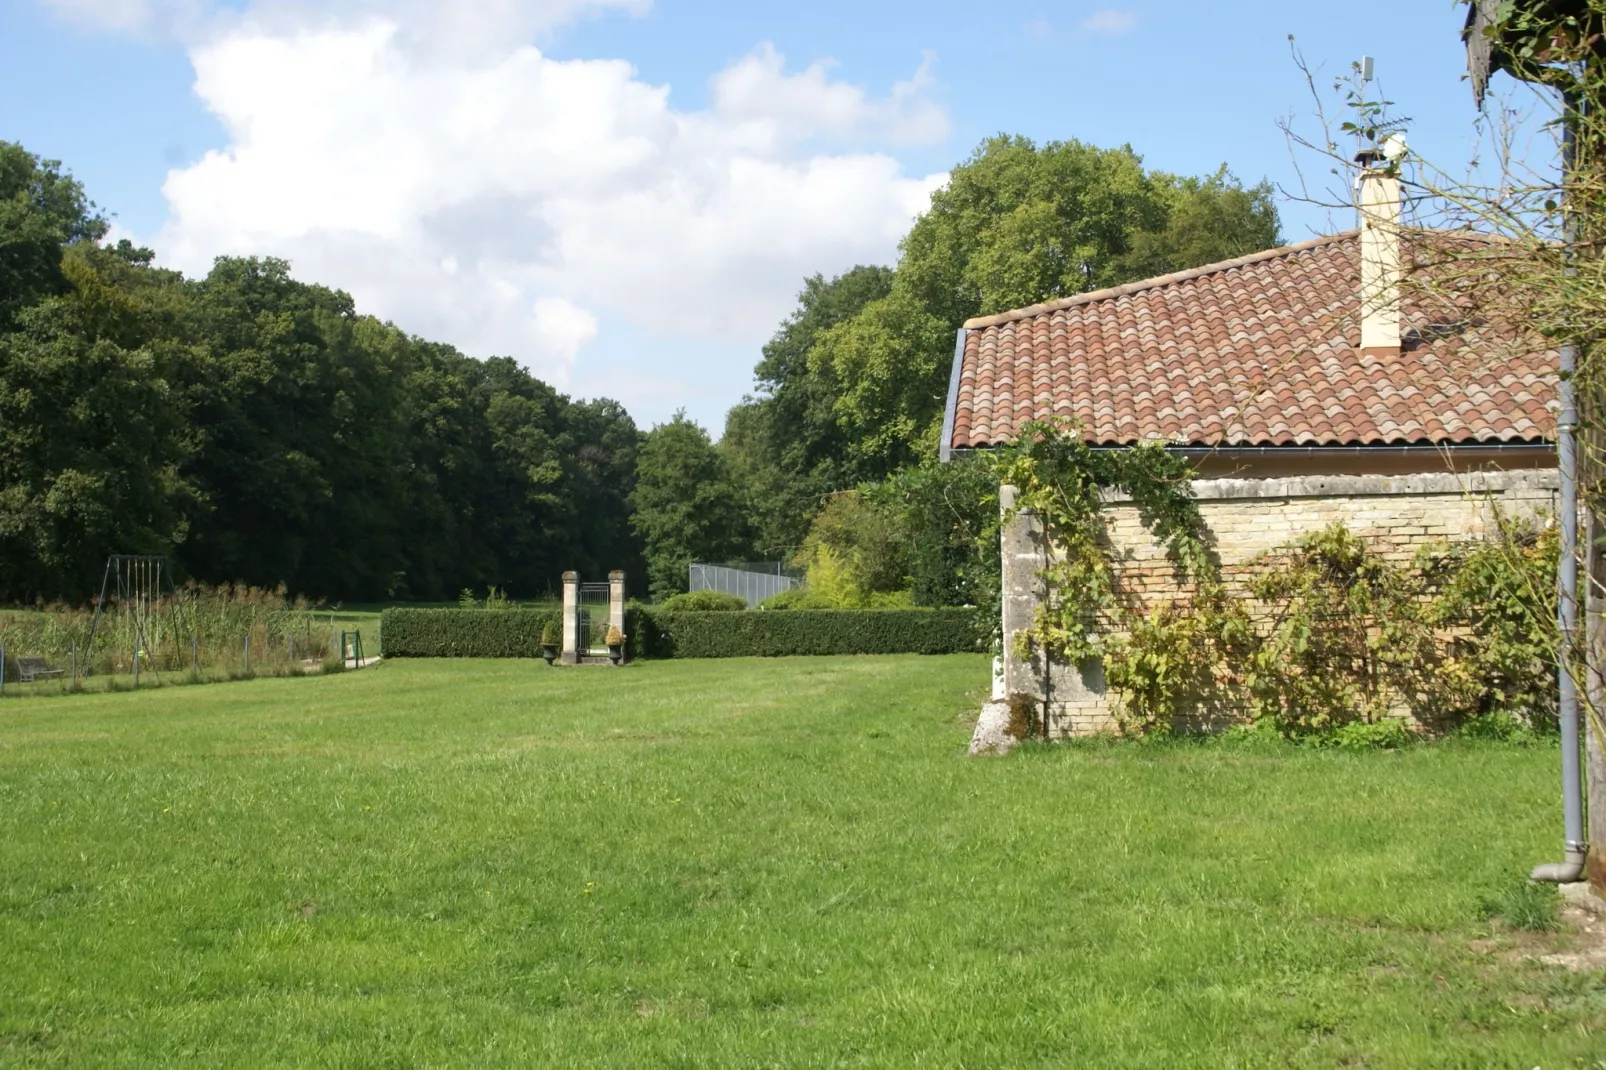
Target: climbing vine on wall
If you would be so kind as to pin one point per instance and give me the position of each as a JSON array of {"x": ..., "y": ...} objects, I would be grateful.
[
  {"x": 1329, "y": 633},
  {"x": 1062, "y": 479},
  {"x": 1319, "y": 635}
]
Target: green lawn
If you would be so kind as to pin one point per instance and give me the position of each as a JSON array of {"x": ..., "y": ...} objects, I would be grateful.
[{"x": 746, "y": 863}]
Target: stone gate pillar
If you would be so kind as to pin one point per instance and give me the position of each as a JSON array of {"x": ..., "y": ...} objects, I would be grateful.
[
  {"x": 1069, "y": 699},
  {"x": 616, "y": 600},
  {"x": 571, "y": 618}
]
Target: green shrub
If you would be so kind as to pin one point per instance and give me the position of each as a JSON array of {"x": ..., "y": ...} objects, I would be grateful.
[
  {"x": 796, "y": 598},
  {"x": 705, "y": 602},
  {"x": 465, "y": 633},
  {"x": 810, "y": 598},
  {"x": 1497, "y": 726},
  {"x": 1336, "y": 639},
  {"x": 1391, "y": 733},
  {"x": 852, "y": 551},
  {"x": 658, "y": 633}
]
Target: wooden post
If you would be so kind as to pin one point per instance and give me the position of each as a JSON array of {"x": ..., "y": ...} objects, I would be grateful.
[
  {"x": 74, "y": 665},
  {"x": 2, "y": 668},
  {"x": 248, "y": 653},
  {"x": 195, "y": 654}
]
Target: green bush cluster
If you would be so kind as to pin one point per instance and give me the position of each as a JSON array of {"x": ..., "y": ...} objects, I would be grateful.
[
  {"x": 655, "y": 632},
  {"x": 810, "y": 598},
  {"x": 705, "y": 602},
  {"x": 465, "y": 633}
]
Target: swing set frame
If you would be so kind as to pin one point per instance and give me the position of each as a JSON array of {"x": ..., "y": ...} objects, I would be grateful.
[{"x": 139, "y": 586}]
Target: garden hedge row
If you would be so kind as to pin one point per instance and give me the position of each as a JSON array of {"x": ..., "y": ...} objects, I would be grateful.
[
  {"x": 464, "y": 633},
  {"x": 660, "y": 633}
]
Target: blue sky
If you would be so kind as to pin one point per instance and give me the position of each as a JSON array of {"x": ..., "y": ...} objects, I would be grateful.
[{"x": 635, "y": 228}]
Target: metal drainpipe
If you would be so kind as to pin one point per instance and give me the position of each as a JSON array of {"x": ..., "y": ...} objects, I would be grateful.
[{"x": 1576, "y": 848}]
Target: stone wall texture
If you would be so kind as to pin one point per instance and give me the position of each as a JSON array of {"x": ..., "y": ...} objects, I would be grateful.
[{"x": 1246, "y": 518}]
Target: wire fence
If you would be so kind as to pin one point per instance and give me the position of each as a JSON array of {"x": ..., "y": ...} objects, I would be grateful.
[{"x": 752, "y": 580}]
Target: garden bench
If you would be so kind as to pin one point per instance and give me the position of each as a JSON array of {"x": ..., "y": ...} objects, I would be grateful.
[{"x": 31, "y": 669}]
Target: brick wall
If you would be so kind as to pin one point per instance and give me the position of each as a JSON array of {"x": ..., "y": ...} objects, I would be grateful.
[{"x": 1246, "y": 518}]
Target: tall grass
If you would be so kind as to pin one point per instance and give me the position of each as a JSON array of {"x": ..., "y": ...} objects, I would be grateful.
[{"x": 198, "y": 633}]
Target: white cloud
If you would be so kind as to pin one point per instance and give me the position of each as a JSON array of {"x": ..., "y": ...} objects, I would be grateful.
[
  {"x": 164, "y": 18},
  {"x": 463, "y": 29},
  {"x": 519, "y": 204},
  {"x": 563, "y": 327},
  {"x": 1109, "y": 20},
  {"x": 773, "y": 108}
]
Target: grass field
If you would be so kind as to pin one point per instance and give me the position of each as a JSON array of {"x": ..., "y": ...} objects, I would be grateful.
[{"x": 747, "y": 863}]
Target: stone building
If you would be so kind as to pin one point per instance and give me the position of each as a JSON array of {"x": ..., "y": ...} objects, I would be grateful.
[{"x": 1308, "y": 384}]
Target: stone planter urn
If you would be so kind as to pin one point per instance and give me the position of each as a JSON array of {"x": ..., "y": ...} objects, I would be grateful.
[
  {"x": 616, "y": 645},
  {"x": 549, "y": 644}
]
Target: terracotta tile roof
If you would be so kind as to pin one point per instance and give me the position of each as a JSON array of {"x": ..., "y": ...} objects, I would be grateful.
[{"x": 1253, "y": 352}]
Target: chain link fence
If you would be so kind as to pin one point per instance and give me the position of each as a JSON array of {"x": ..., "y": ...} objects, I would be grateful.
[{"x": 752, "y": 580}]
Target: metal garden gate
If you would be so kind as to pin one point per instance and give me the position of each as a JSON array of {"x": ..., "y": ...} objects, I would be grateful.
[{"x": 593, "y": 612}]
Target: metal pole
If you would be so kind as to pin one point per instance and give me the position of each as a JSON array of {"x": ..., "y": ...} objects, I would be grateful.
[
  {"x": 1575, "y": 847},
  {"x": 136, "y": 663},
  {"x": 1567, "y": 605}
]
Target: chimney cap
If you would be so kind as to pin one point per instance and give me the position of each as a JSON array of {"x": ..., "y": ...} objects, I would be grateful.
[{"x": 1370, "y": 158}]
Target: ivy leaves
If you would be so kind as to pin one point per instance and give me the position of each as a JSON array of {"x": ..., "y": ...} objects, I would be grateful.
[
  {"x": 1063, "y": 480},
  {"x": 1320, "y": 636}
]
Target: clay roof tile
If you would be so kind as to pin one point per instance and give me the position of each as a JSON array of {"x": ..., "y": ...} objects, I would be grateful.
[{"x": 1255, "y": 351}]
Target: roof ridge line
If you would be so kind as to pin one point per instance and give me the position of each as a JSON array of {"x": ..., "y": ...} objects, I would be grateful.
[{"x": 999, "y": 318}]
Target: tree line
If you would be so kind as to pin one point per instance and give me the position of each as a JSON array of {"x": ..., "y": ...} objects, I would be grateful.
[
  {"x": 254, "y": 428},
  {"x": 850, "y": 391}
]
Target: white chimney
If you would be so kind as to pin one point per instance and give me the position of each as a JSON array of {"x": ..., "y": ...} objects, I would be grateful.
[{"x": 1381, "y": 271}]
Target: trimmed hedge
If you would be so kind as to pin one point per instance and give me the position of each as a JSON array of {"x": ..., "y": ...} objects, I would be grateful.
[
  {"x": 659, "y": 633},
  {"x": 465, "y": 633}
]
